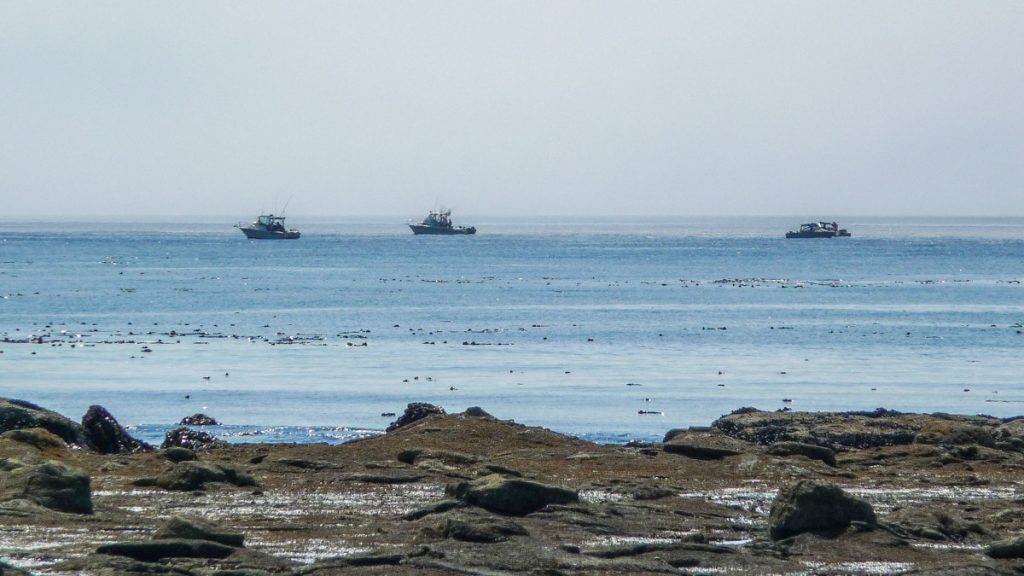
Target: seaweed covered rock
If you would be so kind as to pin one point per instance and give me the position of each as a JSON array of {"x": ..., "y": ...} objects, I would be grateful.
[
  {"x": 18, "y": 414},
  {"x": 198, "y": 420},
  {"x": 512, "y": 496},
  {"x": 413, "y": 412},
  {"x": 811, "y": 451},
  {"x": 154, "y": 550},
  {"x": 191, "y": 439},
  {"x": 38, "y": 438},
  {"x": 51, "y": 485},
  {"x": 953, "y": 433},
  {"x": 811, "y": 507},
  {"x": 107, "y": 436}
]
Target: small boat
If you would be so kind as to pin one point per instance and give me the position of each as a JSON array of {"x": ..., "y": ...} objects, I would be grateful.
[
  {"x": 268, "y": 227},
  {"x": 440, "y": 223},
  {"x": 819, "y": 230}
]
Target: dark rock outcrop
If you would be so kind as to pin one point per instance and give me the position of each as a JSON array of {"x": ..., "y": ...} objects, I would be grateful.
[
  {"x": 810, "y": 507},
  {"x": 198, "y": 420},
  {"x": 179, "y": 527},
  {"x": 512, "y": 496},
  {"x": 178, "y": 454},
  {"x": 413, "y": 412},
  {"x": 106, "y": 436},
  {"x": 51, "y": 485},
  {"x": 18, "y": 414},
  {"x": 191, "y": 439}
]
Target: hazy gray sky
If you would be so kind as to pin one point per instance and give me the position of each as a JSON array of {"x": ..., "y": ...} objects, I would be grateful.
[{"x": 382, "y": 107}]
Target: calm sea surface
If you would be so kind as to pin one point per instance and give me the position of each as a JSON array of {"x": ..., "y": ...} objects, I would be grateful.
[{"x": 605, "y": 329}]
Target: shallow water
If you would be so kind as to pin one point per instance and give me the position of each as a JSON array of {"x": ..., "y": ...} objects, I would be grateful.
[{"x": 609, "y": 330}]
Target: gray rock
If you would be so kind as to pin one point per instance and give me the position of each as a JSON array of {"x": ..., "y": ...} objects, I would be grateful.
[
  {"x": 705, "y": 445},
  {"x": 18, "y": 414},
  {"x": 194, "y": 475},
  {"x": 8, "y": 570},
  {"x": 413, "y": 412},
  {"x": 513, "y": 496},
  {"x": 413, "y": 455},
  {"x": 51, "y": 485},
  {"x": 811, "y": 451},
  {"x": 155, "y": 550},
  {"x": 38, "y": 438},
  {"x": 106, "y": 436},
  {"x": 178, "y": 454},
  {"x": 810, "y": 507},
  {"x": 179, "y": 527},
  {"x": 191, "y": 439},
  {"x": 486, "y": 530},
  {"x": 477, "y": 412},
  {"x": 1011, "y": 548}
]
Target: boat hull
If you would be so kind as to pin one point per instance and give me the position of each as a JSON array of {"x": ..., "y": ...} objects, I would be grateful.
[
  {"x": 431, "y": 230},
  {"x": 254, "y": 234},
  {"x": 818, "y": 234}
]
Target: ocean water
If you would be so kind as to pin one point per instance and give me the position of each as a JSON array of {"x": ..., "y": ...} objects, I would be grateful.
[{"x": 607, "y": 329}]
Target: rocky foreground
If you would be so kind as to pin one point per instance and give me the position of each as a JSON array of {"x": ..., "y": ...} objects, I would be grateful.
[{"x": 755, "y": 493}]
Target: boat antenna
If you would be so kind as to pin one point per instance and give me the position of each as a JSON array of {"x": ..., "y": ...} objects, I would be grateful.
[{"x": 285, "y": 209}]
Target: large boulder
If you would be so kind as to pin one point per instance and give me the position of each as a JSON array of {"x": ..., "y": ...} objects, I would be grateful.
[
  {"x": 18, "y": 414},
  {"x": 413, "y": 412},
  {"x": 1010, "y": 548},
  {"x": 512, "y": 496},
  {"x": 704, "y": 444},
  {"x": 106, "y": 436},
  {"x": 179, "y": 527},
  {"x": 838, "y": 431},
  {"x": 191, "y": 439},
  {"x": 953, "y": 433},
  {"x": 155, "y": 550},
  {"x": 51, "y": 485},
  {"x": 38, "y": 438},
  {"x": 811, "y": 451},
  {"x": 194, "y": 475},
  {"x": 811, "y": 507}
]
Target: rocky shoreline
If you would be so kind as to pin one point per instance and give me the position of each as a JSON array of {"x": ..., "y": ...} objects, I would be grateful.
[{"x": 755, "y": 492}]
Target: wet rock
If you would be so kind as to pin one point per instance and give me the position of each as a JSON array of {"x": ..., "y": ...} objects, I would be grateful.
[
  {"x": 198, "y": 420},
  {"x": 194, "y": 475},
  {"x": 486, "y": 530},
  {"x": 512, "y": 496},
  {"x": 952, "y": 433},
  {"x": 1010, "y": 548},
  {"x": 934, "y": 525},
  {"x": 191, "y": 439},
  {"x": 811, "y": 507},
  {"x": 413, "y": 412},
  {"x": 18, "y": 414},
  {"x": 705, "y": 445},
  {"x": 178, "y": 454},
  {"x": 179, "y": 527},
  {"x": 38, "y": 438},
  {"x": 811, "y": 451},
  {"x": 106, "y": 436},
  {"x": 155, "y": 550},
  {"x": 51, "y": 485}
]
